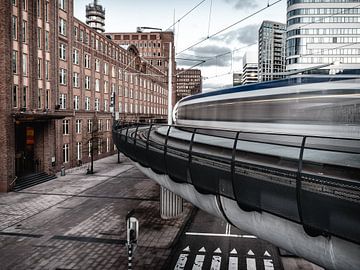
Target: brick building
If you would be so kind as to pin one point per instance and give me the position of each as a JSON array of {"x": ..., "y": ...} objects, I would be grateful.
[
  {"x": 188, "y": 82},
  {"x": 153, "y": 48},
  {"x": 57, "y": 77}
]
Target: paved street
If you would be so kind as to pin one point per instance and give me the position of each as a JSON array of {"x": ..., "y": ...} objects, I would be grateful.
[
  {"x": 78, "y": 221},
  {"x": 211, "y": 243}
]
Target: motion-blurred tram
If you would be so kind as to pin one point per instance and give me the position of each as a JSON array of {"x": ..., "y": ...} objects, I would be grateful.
[{"x": 314, "y": 106}]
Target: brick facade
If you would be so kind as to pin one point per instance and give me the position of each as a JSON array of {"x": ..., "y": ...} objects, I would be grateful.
[{"x": 57, "y": 72}]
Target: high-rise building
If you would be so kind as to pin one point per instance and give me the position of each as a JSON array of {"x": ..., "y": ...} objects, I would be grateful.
[
  {"x": 95, "y": 16},
  {"x": 272, "y": 39},
  {"x": 154, "y": 47},
  {"x": 323, "y": 32},
  {"x": 58, "y": 79},
  {"x": 189, "y": 82},
  {"x": 250, "y": 68},
  {"x": 237, "y": 78}
]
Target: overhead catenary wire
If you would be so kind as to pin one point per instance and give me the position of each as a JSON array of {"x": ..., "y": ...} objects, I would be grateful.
[
  {"x": 187, "y": 13},
  {"x": 229, "y": 26}
]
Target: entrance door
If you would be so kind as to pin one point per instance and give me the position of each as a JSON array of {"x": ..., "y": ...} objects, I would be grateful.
[{"x": 25, "y": 141}]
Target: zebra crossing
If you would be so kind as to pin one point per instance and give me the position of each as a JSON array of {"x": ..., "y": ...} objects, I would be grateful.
[{"x": 222, "y": 261}]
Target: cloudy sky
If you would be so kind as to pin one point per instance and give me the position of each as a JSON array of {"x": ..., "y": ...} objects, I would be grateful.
[{"x": 125, "y": 16}]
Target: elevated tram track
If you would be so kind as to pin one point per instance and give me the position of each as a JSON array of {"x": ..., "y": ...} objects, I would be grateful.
[{"x": 301, "y": 193}]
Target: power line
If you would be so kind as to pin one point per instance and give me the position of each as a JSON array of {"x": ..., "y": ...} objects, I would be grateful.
[
  {"x": 228, "y": 27},
  {"x": 187, "y": 13}
]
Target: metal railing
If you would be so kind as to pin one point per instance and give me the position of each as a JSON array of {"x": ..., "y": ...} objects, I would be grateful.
[{"x": 317, "y": 180}]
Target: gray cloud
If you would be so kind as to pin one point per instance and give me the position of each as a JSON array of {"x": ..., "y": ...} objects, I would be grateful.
[
  {"x": 243, "y": 4},
  {"x": 204, "y": 53},
  {"x": 245, "y": 35}
]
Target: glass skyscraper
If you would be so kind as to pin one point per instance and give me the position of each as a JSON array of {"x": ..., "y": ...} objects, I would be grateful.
[{"x": 323, "y": 32}]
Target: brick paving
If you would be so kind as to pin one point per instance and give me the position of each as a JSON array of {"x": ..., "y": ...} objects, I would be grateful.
[{"x": 78, "y": 221}]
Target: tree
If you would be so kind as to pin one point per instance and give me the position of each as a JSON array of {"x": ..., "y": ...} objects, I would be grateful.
[{"x": 94, "y": 140}]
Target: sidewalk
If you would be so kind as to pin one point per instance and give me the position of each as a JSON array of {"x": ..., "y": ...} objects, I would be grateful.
[{"x": 77, "y": 221}]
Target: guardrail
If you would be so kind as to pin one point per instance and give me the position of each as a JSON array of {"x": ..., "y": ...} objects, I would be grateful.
[{"x": 314, "y": 181}]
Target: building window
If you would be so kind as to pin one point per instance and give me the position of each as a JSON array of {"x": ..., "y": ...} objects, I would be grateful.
[
  {"x": 62, "y": 76},
  {"x": 87, "y": 61},
  {"x": 106, "y": 87},
  {"x": 62, "y": 27},
  {"x": 78, "y": 126},
  {"x": 46, "y": 11},
  {"x": 87, "y": 82},
  {"x": 76, "y": 57},
  {"x": 46, "y": 40},
  {"x": 47, "y": 70},
  {"x": 40, "y": 98},
  {"x": 107, "y": 144},
  {"x": 15, "y": 96},
  {"x": 75, "y": 33},
  {"x": 62, "y": 101},
  {"x": 89, "y": 125},
  {"x": 76, "y": 103},
  {"x": 62, "y": 51},
  {"x": 100, "y": 125},
  {"x": 78, "y": 151},
  {"x": 14, "y": 27},
  {"x": 24, "y": 5},
  {"x": 65, "y": 127},
  {"x": 24, "y": 68},
  {"x": 76, "y": 79},
  {"x": 113, "y": 72},
  {"x": 66, "y": 153},
  {"x": 106, "y": 68},
  {"x": 39, "y": 70},
  {"x": 99, "y": 146},
  {"x": 105, "y": 105},
  {"x": 97, "y": 105},
  {"x": 47, "y": 99},
  {"x": 97, "y": 65},
  {"x": 38, "y": 8},
  {"x": 13, "y": 2},
  {"x": 62, "y": 4},
  {"x": 24, "y": 32},
  {"x": 24, "y": 96},
  {"x": 97, "y": 85},
  {"x": 39, "y": 38},
  {"x": 107, "y": 125},
  {"x": 87, "y": 103},
  {"x": 14, "y": 62}
]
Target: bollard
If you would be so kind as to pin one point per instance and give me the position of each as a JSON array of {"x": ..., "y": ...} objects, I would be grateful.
[{"x": 62, "y": 170}]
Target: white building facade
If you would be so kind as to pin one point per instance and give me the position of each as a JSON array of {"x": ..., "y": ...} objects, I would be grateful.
[{"x": 323, "y": 32}]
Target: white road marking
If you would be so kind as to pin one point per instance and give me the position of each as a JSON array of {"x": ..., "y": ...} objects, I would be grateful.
[
  {"x": 268, "y": 264},
  {"x": 250, "y": 252},
  {"x": 221, "y": 235},
  {"x": 202, "y": 249},
  {"x": 216, "y": 263},
  {"x": 233, "y": 263},
  {"x": 267, "y": 253},
  {"x": 233, "y": 251},
  {"x": 250, "y": 264},
  {"x": 227, "y": 229},
  {"x": 199, "y": 261},
  {"x": 181, "y": 262},
  {"x": 218, "y": 250},
  {"x": 187, "y": 249}
]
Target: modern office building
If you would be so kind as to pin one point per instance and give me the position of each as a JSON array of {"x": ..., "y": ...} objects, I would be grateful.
[
  {"x": 237, "y": 76},
  {"x": 272, "y": 40},
  {"x": 250, "y": 68},
  {"x": 322, "y": 32},
  {"x": 59, "y": 75},
  {"x": 154, "y": 47},
  {"x": 189, "y": 82}
]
